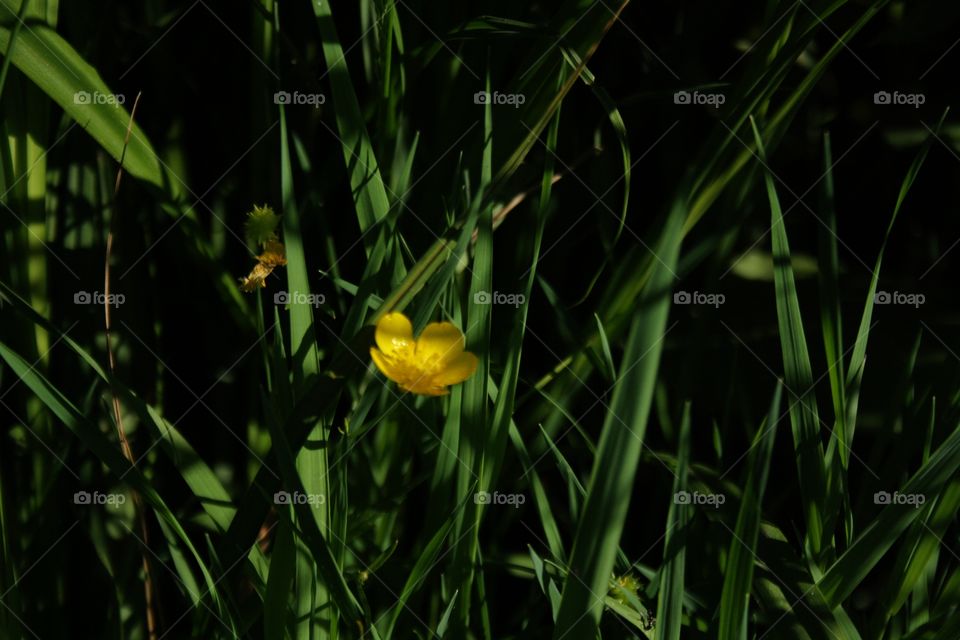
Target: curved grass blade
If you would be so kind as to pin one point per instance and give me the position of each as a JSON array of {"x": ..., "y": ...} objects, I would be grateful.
[
  {"x": 60, "y": 72},
  {"x": 798, "y": 374},
  {"x": 611, "y": 482}
]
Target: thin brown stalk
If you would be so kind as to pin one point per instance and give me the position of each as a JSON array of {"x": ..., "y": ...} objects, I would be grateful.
[{"x": 148, "y": 583}]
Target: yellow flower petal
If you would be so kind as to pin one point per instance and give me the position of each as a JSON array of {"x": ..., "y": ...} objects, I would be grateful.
[
  {"x": 394, "y": 336},
  {"x": 439, "y": 343},
  {"x": 456, "y": 370},
  {"x": 427, "y": 365},
  {"x": 425, "y": 388},
  {"x": 274, "y": 254},
  {"x": 385, "y": 365},
  {"x": 257, "y": 278}
]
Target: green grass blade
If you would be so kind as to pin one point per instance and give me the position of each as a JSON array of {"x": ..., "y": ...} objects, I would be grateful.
[
  {"x": 608, "y": 494},
  {"x": 872, "y": 544},
  {"x": 738, "y": 575},
  {"x": 369, "y": 193},
  {"x": 797, "y": 370},
  {"x": 60, "y": 72},
  {"x": 670, "y": 596}
]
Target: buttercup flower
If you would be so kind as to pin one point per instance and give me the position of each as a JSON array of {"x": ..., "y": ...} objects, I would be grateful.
[{"x": 426, "y": 365}]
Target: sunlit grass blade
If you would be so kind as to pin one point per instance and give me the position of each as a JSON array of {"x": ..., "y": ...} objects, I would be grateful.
[
  {"x": 738, "y": 575},
  {"x": 918, "y": 553},
  {"x": 108, "y": 453},
  {"x": 608, "y": 493},
  {"x": 475, "y": 408},
  {"x": 369, "y": 193},
  {"x": 876, "y": 539},
  {"x": 670, "y": 595},
  {"x": 798, "y": 374},
  {"x": 59, "y": 70}
]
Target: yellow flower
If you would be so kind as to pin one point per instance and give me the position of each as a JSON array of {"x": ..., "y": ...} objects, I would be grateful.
[
  {"x": 274, "y": 255},
  {"x": 426, "y": 365}
]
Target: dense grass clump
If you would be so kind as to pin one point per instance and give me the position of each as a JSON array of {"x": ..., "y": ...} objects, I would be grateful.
[{"x": 491, "y": 320}]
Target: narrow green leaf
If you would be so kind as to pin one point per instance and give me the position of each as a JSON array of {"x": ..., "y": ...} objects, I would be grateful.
[
  {"x": 611, "y": 481},
  {"x": 738, "y": 575}
]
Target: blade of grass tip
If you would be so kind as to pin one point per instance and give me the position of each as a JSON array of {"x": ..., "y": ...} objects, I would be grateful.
[
  {"x": 832, "y": 328},
  {"x": 551, "y": 532},
  {"x": 544, "y": 580},
  {"x": 609, "y": 369},
  {"x": 738, "y": 574},
  {"x": 619, "y": 128},
  {"x": 618, "y": 454},
  {"x": 830, "y": 317},
  {"x": 917, "y": 554},
  {"x": 797, "y": 370},
  {"x": 858, "y": 357},
  {"x": 760, "y": 92},
  {"x": 427, "y": 302},
  {"x": 670, "y": 596}
]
